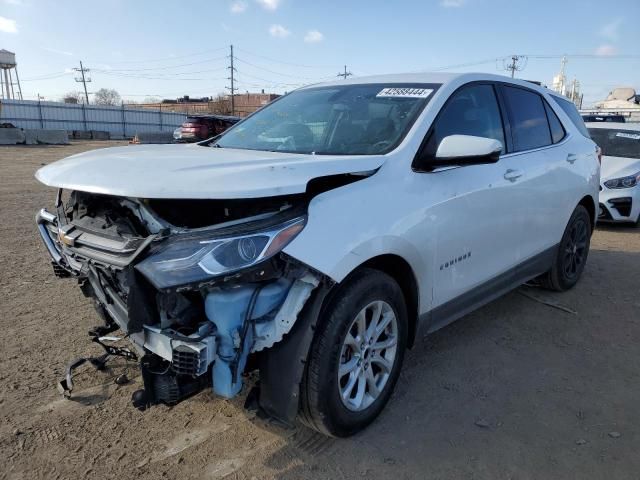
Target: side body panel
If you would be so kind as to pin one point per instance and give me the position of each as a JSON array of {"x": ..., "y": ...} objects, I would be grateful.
[{"x": 430, "y": 219}]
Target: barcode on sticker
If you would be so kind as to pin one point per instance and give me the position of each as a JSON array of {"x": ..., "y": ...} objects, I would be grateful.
[
  {"x": 405, "y": 92},
  {"x": 632, "y": 136}
]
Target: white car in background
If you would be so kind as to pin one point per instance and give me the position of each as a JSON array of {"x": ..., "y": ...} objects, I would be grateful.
[
  {"x": 620, "y": 170},
  {"x": 318, "y": 238}
]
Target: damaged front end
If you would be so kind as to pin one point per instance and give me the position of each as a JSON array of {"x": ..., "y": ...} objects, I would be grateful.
[{"x": 198, "y": 286}]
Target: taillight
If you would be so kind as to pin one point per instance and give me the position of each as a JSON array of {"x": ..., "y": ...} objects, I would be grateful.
[{"x": 599, "y": 154}]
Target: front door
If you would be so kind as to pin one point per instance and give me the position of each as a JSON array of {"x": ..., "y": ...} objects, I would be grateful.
[{"x": 474, "y": 227}]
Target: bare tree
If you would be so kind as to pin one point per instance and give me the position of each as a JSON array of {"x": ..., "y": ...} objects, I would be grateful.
[
  {"x": 107, "y": 96},
  {"x": 220, "y": 104},
  {"x": 74, "y": 97},
  {"x": 152, "y": 99}
]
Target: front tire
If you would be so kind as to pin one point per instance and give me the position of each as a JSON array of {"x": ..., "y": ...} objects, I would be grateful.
[
  {"x": 356, "y": 355},
  {"x": 572, "y": 253}
]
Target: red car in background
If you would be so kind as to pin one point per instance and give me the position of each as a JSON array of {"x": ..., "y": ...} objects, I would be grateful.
[{"x": 201, "y": 127}]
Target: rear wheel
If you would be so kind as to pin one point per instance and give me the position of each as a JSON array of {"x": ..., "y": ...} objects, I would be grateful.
[
  {"x": 572, "y": 253},
  {"x": 356, "y": 356}
]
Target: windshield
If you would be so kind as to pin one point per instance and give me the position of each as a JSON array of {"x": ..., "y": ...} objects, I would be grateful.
[
  {"x": 342, "y": 120},
  {"x": 617, "y": 143}
]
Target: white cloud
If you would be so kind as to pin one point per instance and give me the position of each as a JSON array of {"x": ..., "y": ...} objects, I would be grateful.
[
  {"x": 313, "y": 36},
  {"x": 59, "y": 52},
  {"x": 269, "y": 4},
  {"x": 452, "y": 3},
  {"x": 238, "y": 7},
  {"x": 8, "y": 26},
  {"x": 611, "y": 30},
  {"x": 278, "y": 31},
  {"x": 13, "y": 2},
  {"x": 606, "y": 50}
]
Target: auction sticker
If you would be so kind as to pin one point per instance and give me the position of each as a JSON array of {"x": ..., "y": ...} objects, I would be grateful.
[
  {"x": 632, "y": 136},
  {"x": 405, "y": 92}
]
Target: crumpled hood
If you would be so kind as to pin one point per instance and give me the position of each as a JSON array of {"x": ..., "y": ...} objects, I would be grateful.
[
  {"x": 617, "y": 167},
  {"x": 196, "y": 172}
]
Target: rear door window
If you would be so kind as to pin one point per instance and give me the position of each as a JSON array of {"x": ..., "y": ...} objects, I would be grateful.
[{"x": 528, "y": 119}]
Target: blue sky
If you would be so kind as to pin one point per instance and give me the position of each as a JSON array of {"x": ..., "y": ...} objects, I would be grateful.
[{"x": 170, "y": 48}]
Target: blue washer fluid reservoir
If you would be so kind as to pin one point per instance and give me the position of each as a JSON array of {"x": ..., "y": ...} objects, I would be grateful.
[{"x": 227, "y": 308}]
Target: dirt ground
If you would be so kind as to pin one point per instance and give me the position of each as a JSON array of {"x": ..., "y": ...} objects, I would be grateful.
[{"x": 520, "y": 389}]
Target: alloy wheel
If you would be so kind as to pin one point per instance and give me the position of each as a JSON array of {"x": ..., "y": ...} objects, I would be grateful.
[
  {"x": 575, "y": 249},
  {"x": 367, "y": 355}
]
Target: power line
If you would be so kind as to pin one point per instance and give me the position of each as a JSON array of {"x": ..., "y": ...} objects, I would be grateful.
[
  {"x": 161, "y": 76},
  {"x": 275, "y": 82},
  {"x": 148, "y": 77},
  {"x": 204, "y": 52},
  {"x": 273, "y": 71},
  {"x": 49, "y": 76},
  {"x": 166, "y": 67},
  {"x": 463, "y": 65},
  {"x": 585, "y": 56},
  {"x": 283, "y": 62}
]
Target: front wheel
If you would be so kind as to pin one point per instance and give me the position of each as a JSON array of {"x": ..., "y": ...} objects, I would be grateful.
[
  {"x": 572, "y": 253},
  {"x": 356, "y": 355}
]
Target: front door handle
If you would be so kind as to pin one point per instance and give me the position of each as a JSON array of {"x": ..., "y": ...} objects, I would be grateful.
[
  {"x": 512, "y": 175},
  {"x": 572, "y": 157}
]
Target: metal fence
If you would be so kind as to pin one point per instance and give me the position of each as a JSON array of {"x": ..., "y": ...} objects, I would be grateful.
[{"x": 120, "y": 122}]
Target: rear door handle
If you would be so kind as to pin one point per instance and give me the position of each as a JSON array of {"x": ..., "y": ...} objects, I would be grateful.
[
  {"x": 512, "y": 175},
  {"x": 572, "y": 157}
]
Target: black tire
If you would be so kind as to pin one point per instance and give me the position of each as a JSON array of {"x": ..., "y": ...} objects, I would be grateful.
[
  {"x": 572, "y": 253},
  {"x": 322, "y": 407}
]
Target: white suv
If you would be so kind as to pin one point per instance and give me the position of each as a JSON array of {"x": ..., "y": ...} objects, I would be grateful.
[{"x": 318, "y": 238}]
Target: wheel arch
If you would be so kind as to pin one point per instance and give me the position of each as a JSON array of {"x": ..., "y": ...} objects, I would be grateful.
[
  {"x": 588, "y": 203},
  {"x": 399, "y": 269}
]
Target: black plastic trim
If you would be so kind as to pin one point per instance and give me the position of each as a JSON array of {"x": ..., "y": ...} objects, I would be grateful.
[
  {"x": 282, "y": 366},
  {"x": 452, "y": 310}
]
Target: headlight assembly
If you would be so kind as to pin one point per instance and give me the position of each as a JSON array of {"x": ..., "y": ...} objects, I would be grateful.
[
  {"x": 623, "y": 182},
  {"x": 190, "y": 258}
]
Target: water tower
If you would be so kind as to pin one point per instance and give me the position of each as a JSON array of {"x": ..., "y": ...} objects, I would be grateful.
[{"x": 9, "y": 68}]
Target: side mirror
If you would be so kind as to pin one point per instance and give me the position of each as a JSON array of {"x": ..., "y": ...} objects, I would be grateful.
[{"x": 456, "y": 150}]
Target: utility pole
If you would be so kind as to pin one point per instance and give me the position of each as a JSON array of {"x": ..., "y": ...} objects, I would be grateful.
[
  {"x": 233, "y": 89},
  {"x": 345, "y": 74},
  {"x": 83, "y": 79},
  {"x": 513, "y": 66}
]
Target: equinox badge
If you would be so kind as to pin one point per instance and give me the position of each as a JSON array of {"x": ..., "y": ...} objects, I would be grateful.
[{"x": 455, "y": 260}]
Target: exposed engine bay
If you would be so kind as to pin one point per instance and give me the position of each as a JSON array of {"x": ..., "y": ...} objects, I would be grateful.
[{"x": 199, "y": 287}]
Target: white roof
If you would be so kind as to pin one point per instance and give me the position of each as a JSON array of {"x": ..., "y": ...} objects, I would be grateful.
[
  {"x": 427, "y": 77},
  {"x": 396, "y": 78}
]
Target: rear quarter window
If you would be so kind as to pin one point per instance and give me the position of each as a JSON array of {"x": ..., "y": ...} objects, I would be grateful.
[
  {"x": 573, "y": 114},
  {"x": 557, "y": 130}
]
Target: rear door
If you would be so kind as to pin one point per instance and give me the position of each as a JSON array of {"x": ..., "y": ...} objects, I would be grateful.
[{"x": 540, "y": 151}]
